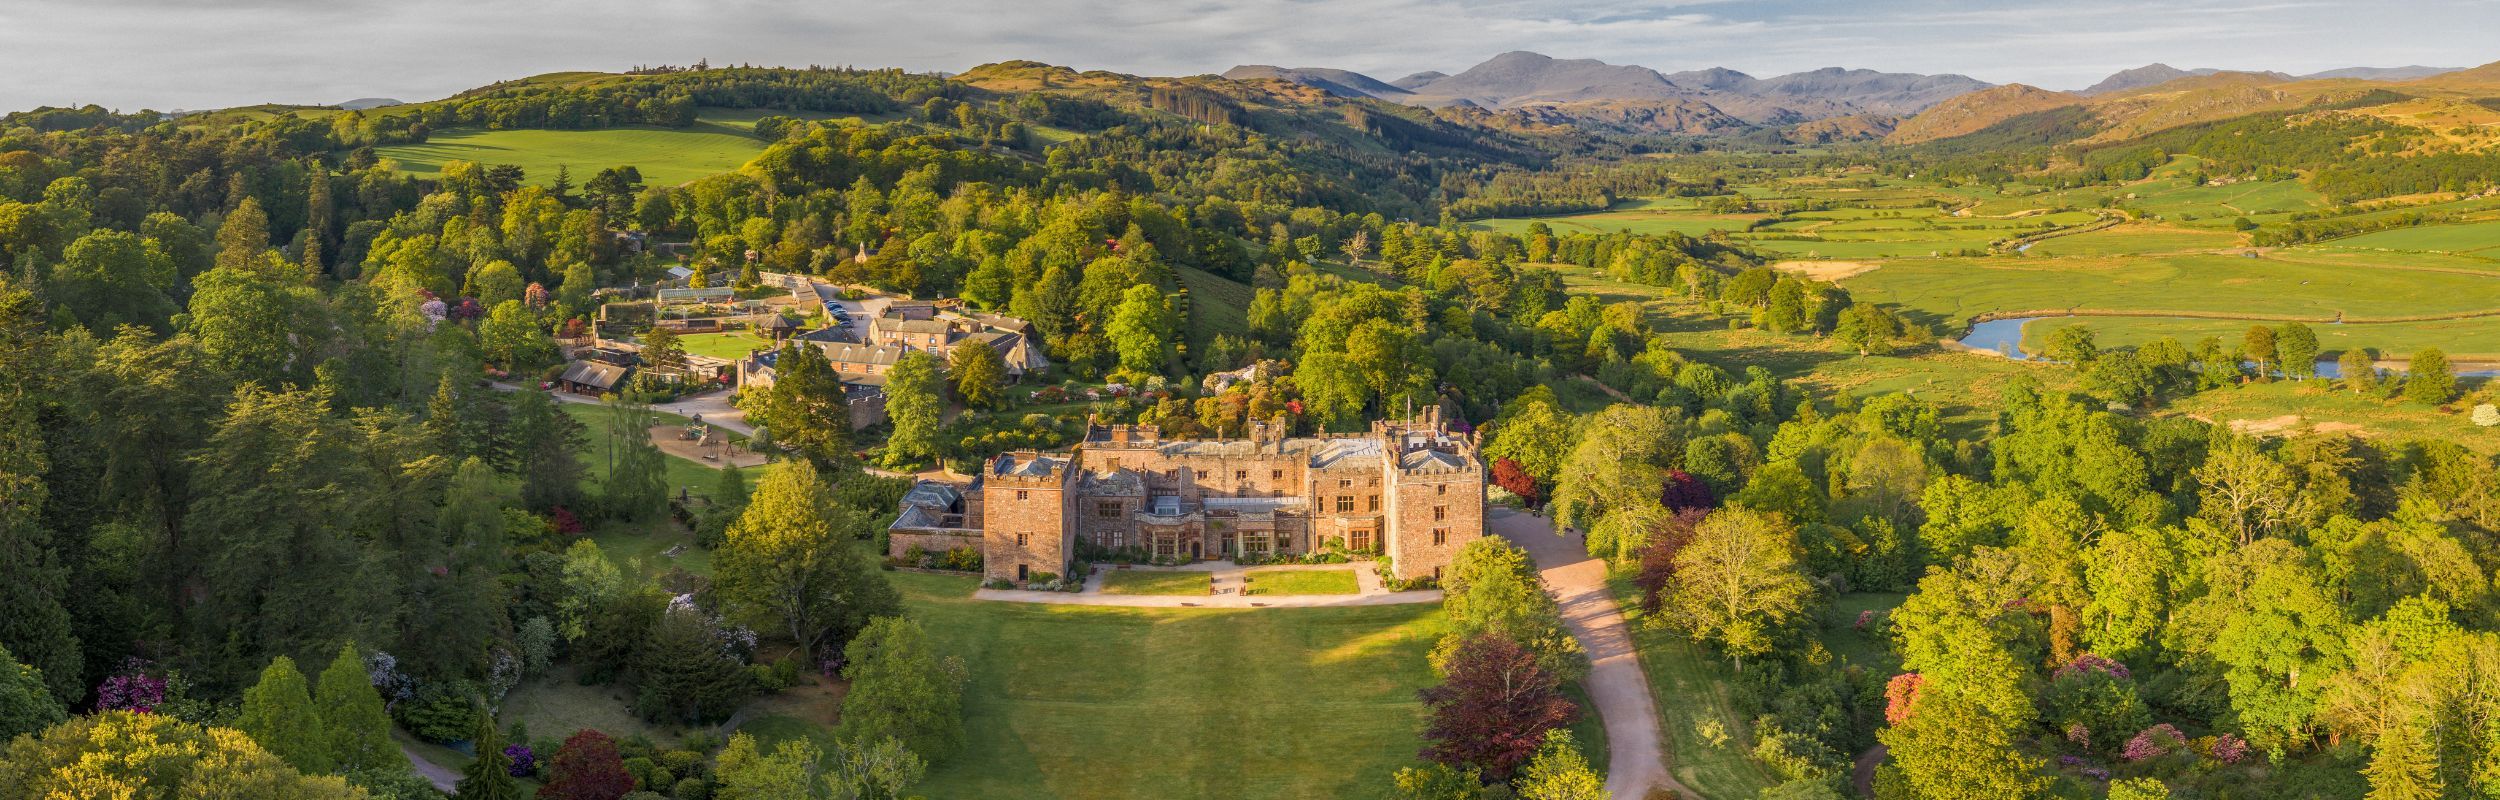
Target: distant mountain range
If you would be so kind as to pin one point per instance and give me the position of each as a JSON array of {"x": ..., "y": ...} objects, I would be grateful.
[
  {"x": 1534, "y": 89},
  {"x": 363, "y": 103},
  {"x": 2157, "y": 74},
  {"x": 1541, "y": 88}
]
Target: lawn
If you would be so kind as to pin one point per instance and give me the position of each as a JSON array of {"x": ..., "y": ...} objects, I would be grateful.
[
  {"x": 1301, "y": 581},
  {"x": 727, "y": 345},
  {"x": 1158, "y": 582},
  {"x": 2466, "y": 238},
  {"x": 1097, "y": 702},
  {"x": 718, "y": 142}
]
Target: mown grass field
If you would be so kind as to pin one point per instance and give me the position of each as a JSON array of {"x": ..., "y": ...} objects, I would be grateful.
[
  {"x": 681, "y": 472},
  {"x": 730, "y": 345},
  {"x": 1157, "y": 582},
  {"x": 2464, "y": 338},
  {"x": 720, "y": 140},
  {"x": 1096, "y": 702},
  {"x": 1302, "y": 581}
]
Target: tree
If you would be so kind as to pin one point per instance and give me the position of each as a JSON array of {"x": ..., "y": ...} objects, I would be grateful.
[
  {"x": 915, "y": 406},
  {"x": 2359, "y": 370},
  {"x": 637, "y": 483},
  {"x": 278, "y": 713},
  {"x": 587, "y": 767},
  {"x": 1143, "y": 329},
  {"x": 662, "y": 350},
  {"x": 2259, "y": 345},
  {"x": 805, "y": 409},
  {"x": 489, "y": 776},
  {"x": 1739, "y": 582},
  {"x": 243, "y": 238},
  {"x": 123, "y": 754},
  {"x": 2427, "y": 379},
  {"x": 110, "y": 278},
  {"x": 1559, "y": 772},
  {"x": 2248, "y": 493},
  {"x": 1437, "y": 782},
  {"x": 354, "y": 725},
  {"x": 1534, "y": 431},
  {"x": 685, "y": 670},
  {"x": 980, "y": 375},
  {"x": 792, "y": 771},
  {"x": 2139, "y": 788},
  {"x": 2074, "y": 344},
  {"x": 2404, "y": 765},
  {"x": 2297, "y": 346},
  {"x": 547, "y": 445},
  {"x": 900, "y": 688},
  {"x": 511, "y": 336},
  {"x": 26, "y": 705},
  {"x": 1493, "y": 588},
  {"x": 790, "y": 560},
  {"x": 1492, "y": 711}
]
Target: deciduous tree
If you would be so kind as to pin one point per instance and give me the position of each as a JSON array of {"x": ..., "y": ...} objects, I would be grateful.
[
  {"x": 1739, "y": 581},
  {"x": 901, "y": 688},
  {"x": 1492, "y": 710},
  {"x": 790, "y": 560}
]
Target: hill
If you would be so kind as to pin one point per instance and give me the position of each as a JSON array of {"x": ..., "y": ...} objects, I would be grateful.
[
  {"x": 1974, "y": 112},
  {"x": 1622, "y": 97},
  {"x": 1341, "y": 83},
  {"x": 2381, "y": 73},
  {"x": 367, "y": 103}
]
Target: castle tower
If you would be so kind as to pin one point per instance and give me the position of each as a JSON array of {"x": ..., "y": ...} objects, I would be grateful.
[
  {"x": 1436, "y": 496},
  {"x": 1028, "y": 507}
]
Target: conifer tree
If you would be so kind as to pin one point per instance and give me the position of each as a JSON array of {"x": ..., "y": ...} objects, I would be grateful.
[
  {"x": 2403, "y": 766},
  {"x": 243, "y": 238},
  {"x": 353, "y": 721},
  {"x": 278, "y": 713},
  {"x": 489, "y": 777}
]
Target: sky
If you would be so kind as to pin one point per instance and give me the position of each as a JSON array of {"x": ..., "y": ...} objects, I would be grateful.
[{"x": 195, "y": 54}]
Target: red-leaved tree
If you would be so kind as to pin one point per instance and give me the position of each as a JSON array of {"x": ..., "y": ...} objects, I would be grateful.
[
  {"x": 1658, "y": 555},
  {"x": 587, "y": 768},
  {"x": 1494, "y": 708},
  {"x": 1508, "y": 475},
  {"x": 1683, "y": 491}
]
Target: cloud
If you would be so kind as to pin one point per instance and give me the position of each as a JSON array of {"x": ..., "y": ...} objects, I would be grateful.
[{"x": 214, "y": 53}]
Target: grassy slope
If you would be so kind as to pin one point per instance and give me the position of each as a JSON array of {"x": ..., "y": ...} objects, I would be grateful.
[
  {"x": 1092, "y": 702},
  {"x": 1691, "y": 686},
  {"x": 720, "y": 140}
]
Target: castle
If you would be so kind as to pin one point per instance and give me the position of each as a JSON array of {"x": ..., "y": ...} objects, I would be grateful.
[{"x": 1406, "y": 490}]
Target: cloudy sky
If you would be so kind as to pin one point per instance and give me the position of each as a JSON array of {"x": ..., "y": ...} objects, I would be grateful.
[{"x": 188, "y": 54}]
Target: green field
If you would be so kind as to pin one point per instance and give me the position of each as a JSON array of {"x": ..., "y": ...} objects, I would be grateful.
[
  {"x": 681, "y": 472},
  {"x": 2134, "y": 239},
  {"x": 2286, "y": 408},
  {"x": 1957, "y": 289},
  {"x": 2472, "y": 237},
  {"x": 1157, "y": 582},
  {"x": 1302, "y": 581},
  {"x": 2459, "y": 338},
  {"x": 720, "y": 140},
  {"x": 727, "y": 345},
  {"x": 1097, "y": 702}
]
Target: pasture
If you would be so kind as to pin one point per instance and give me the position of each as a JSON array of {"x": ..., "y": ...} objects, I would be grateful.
[
  {"x": 721, "y": 140},
  {"x": 2188, "y": 285},
  {"x": 2462, "y": 338}
]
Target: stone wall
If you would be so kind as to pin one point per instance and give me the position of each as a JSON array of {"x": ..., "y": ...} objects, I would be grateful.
[{"x": 932, "y": 540}]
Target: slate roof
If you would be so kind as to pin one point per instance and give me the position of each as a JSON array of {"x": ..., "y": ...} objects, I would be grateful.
[{"x": 593, "y": 374}]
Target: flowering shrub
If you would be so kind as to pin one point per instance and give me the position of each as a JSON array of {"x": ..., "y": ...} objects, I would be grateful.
[
  {"x": 1900, "y": 694},
  {"x": 524, "y": 762},
  {"x": 131, "y": 690},
  {"x": 2154, "y": 742},
  {"x": 565, "y": 522},
  {"x": 2088, "y": 663},
  {"x": 2227, "y": 749},
  {"x": 1866, "y": 619}
]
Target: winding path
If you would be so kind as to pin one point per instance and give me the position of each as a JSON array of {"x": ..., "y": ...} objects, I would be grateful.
[
  {"x": 443, "y": 778},
  {"x": 1637, "y": 759}
]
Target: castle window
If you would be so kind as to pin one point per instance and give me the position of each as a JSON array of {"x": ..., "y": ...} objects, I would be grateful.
[
  {"x": 1240, "y": 475},
  {"x": 1375, "y": 481},
  {"x": 1022, "y": 494},
  {"x": 1371, "y": 502},
  {"x": 1440, "y": 513},
  {"x": 1107, "y": 509},
  {"x": 1440, "y": 536},
  {"x": 1276, "y": 474},
  {"x": 1440, "y": 488},
  {"x": 1023, "y": 539},
  {"x": 1345, "y": 504},
  {"x": 1344, "y": 482},
  {"x": 1170, "y": 474}
]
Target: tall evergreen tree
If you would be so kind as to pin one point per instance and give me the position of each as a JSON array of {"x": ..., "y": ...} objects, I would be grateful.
[
  {"x": 637, "y": 483},
  {"x": 805, "y": 409},
  {"x": 353, "y": 722},
  {"x": 278, "y": 713},
  {"x": 915, "y": 406},
  {"x": 489, "y": 776},
  {"x": 980, "y": 375},
  {"x": 790, "y": 561}
]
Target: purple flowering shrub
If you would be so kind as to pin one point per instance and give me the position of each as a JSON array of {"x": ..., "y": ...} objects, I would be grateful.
[
  {"x": 2154, "y": 742},
  {"x": 131, "y": 690},
  {"x": 524, "y": 762}
]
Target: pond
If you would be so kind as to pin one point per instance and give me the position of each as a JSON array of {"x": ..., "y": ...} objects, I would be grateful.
[{"x": 2004, "y": 337}]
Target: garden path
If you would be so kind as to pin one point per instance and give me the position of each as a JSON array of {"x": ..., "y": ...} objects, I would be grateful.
[{"x": 1637, "y": 759}]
